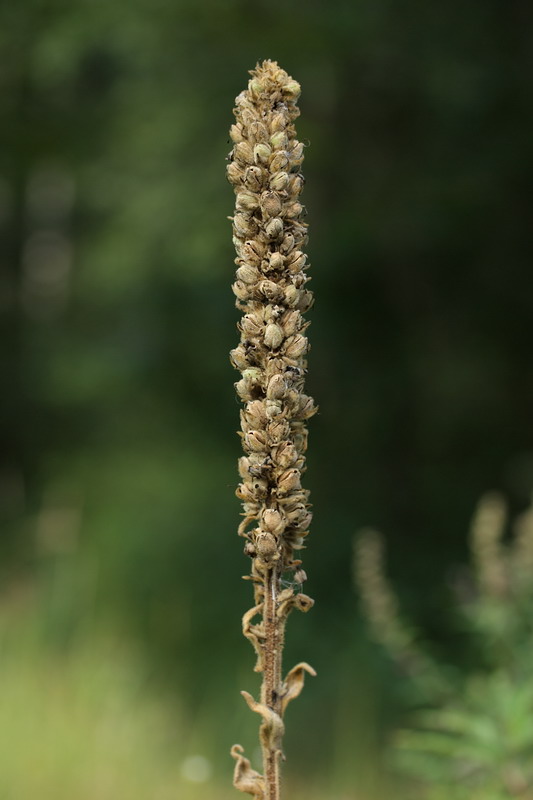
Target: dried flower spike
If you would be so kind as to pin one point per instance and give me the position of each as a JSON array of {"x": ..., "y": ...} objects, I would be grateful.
[{"x": 269, "y": 236}]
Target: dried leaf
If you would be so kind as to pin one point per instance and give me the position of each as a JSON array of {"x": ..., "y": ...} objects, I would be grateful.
[
  {"x": 272, "y": 729},
  {"x": 255, "y": 634},
  {"x": 294, "y": 683},
  {"x": 245, "y": 778},
  {"x": 303, "y": 602}
]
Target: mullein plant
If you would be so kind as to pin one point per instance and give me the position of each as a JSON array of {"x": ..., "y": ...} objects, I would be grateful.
[
  {"x": 473, "y": 737},
  {"x": 269, "y": 235}
]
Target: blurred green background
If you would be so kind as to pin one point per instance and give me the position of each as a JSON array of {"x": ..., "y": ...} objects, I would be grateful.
[{"x": 121, "y": 657}]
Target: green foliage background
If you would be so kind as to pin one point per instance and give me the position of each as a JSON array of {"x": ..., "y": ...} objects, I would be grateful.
[{"x": 118, "y": 415}]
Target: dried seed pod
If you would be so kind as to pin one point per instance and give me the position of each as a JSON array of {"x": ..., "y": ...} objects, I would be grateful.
[
  {"x": 244, "y": 224},
  {"x": 289, "y": 481},
  {"x": 235, "y": 133},
  {"x": 234, "y": 173},
  {"x": 292, "y": 296},
  {"x": 279, "y": 162},
  {"x": 247, "y": 274},
  {"x": 238, "y": 358},
  {"x": 306, "y": 407},
  {"x": 261, "y": 153},
  {"x": 273, "y": 521},
  {"x": 253, "y": 251},
  {"x": 253, "y": 178},
  {"x": 243, "y": 153},
  {"x": 272, "y": 291},
  {"x": 251, "y": 326},
  {"x": 276, "y": 387},
  {"x": 246, "y": 201},
  {"x": 291, "y": 322},
  {"x": 267, "y": 547},
  {"x": 273, "y": 336},
  {"x": 274, "y": 408},
  {"x": 296, "y": 261},
  {"x": 279, "y": 181},
  {"x": 257, "y": 441},
  {"x": 274, "y": 228},
  {"x": 241, "y": 290},
  {"x": 295, "y": 346},
  {"x": 255, "y": 414},
  {"x": 278, "y": 431},
  {"x": 276, "y": 261},
  {"x": 285, "y": 454},
  {"x": 270, "y": 204}
]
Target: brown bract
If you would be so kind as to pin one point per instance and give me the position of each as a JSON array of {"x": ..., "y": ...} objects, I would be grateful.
[{"x": 270, "y": 288}]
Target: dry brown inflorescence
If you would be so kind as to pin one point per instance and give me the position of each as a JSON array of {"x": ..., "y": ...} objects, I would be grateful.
[{"x": 269, "y": 235}]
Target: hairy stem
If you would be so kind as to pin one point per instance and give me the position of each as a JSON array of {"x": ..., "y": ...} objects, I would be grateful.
[{"x": 271, "y": 688}]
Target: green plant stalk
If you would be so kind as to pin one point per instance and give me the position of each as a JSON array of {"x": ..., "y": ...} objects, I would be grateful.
[{"x": 270, "y": 287}]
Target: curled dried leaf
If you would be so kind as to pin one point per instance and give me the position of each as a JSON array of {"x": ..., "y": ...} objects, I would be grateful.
[
  {"x": 245, "y": 778},
  {"x": 255, "y": 634},
  {"x": 294, "y": 683},
  {"x": 303, "y": 602},
  {"x": 272, "y": 729}
]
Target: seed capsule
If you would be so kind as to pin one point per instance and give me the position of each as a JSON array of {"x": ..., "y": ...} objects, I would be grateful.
[
  {"x": 244, "y": 468},
  {"x": 296, "y": 152},
  {"x": 241, "y": 290},
  {"x": 290, "y": 322},
  {"x": 293, "y": 211},
  {"x": 296, "y": 261},
  {"x": 278, "y": 431},
  {"x": 251, "y": 326},
  {"x": 234, "y": 173},
  {"x": 274, "y": 228},
  {"x": 289, "y": 481},
  {"x": 287, "y": 244},
  {"x": 243, "y": 153},
  {"x": 255, "y": 415},
  {"x": 307, "y": 407},
  {"x": 275, "y": 261},
  {"x": 246, "y": 201},
  {"x": 245, "y": 492},
  {"x": 279, "y": 140},
  {"x": 295, "y": 346},
  {"x": 295, "y": 186},
  {"x": 270, "y": 204},
  {"x": 273, "y": 521},
  {"x": 292, "y": 296},
  {"x": 273, "y": 336},
  {"x": 279, "y": 181},
  {"x": 261, "y": 153},
  {"x": 276, "y": 387},
  {"x": 248, "y": 274},
  {"x": 266, "y": 546},
  {"x": 274, "y": 408},
  {"x": 244, "y": 225},
  {"x": 305, "y": 300},
  {"x": 279, "y": 162},
  {"x": 235, "y": 133},
  {"x": 257, "y": 131},
  {"x": 285, "y": 454},
  {"x": 238, "y": 358},
  {"x": 256, "y": 441},
  {"x": 278, "y": 122},
  {"x": 253, "y": 178},
  {"x": 253, "y": 251},
  {"x": 272, "y": 291},
  {"x": 293, "y": 89}
]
